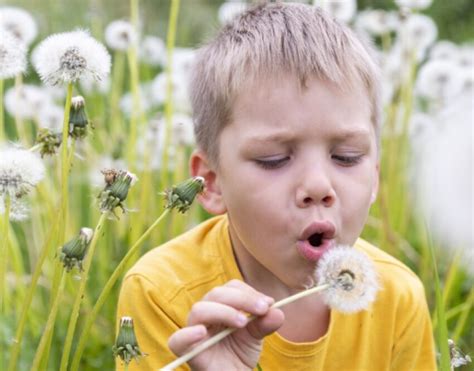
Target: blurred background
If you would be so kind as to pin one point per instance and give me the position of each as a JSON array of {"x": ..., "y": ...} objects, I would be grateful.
[{"x": 426, "y": 50}]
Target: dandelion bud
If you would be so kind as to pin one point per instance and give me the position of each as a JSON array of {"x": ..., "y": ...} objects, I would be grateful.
[
  {"x": 126, "y": 346},
  {"x": 49, "y": 142},
  {"x": 118, "y": 182},
  {"x": 351, "y": 277},
  {"x": 78, "y": 120},
  {"x": 182, "y": 195},
  {"x": 73, "y": 252}
]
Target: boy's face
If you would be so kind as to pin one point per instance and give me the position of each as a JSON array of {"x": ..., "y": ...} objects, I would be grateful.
[{"x": 298, "y": 171}]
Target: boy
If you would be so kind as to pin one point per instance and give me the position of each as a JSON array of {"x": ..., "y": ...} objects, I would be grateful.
[{"x": 286, "y": 108}]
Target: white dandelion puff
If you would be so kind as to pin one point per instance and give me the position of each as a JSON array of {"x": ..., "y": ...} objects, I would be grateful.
[
  {"x": 152, "y": 51},
  {"x": 69, "y": 57},
  {"x": 444, "y": 50},
  {"x": 465, "y": 56},
  {"x": 342, "y": 10},
  {"x": 18, "y": 209},
  {"x": 439, "y": 176},
  {"x": 25, "y": 101},
  {"x": 439, "y": 80},
  {"x": 89, "y": 85},
  {"x": 12, "y": 56},
  {"x": 229, "y": 10},
  {"x": 417, "y": 32},
  {"x": 19, "y": 23},
  {"x": 414, "y": 4},
  {"x": 20, "y": 171},
  {"x": 352, "y": 279},
  {"x": 376, "y": 22},
  {"x": 179, "y": 87},
  {"x": 51, "y": 117},
  {"x": 120, "y": 35}
]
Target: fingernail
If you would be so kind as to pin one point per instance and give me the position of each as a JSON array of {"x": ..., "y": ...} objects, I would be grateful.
[
  {"x": 261, "y": 305},
  {"x": 199, "y": 331},
  {"x": 241, "y": 319},
  {"x": 269, "y": 300}
]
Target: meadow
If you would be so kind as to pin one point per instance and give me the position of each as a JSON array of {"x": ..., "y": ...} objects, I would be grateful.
[{"x": 87, "y": 155}]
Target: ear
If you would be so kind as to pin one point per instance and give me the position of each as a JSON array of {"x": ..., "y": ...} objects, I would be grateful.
[
  {"x": 211, "y": 199},
  {"x": 375, "y": 185}
]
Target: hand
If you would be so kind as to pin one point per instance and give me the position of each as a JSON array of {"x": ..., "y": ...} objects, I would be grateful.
[{"x": 222, "y": 307}]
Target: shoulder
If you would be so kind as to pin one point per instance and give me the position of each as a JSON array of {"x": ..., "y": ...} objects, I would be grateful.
[{"x": 185, "y": 263}]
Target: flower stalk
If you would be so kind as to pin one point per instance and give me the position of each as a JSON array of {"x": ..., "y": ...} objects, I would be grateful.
[
  {"x": 170, "y": 42},
  {"x": 65, "y": 163},
  {"x": 80, "y": 293}
]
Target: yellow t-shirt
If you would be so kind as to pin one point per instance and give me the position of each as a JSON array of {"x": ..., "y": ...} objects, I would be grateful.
[{"x": 158, "y": 292}]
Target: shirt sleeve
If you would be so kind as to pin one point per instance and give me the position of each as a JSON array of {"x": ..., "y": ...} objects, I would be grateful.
[
  {"x": 414, "y": 345},
  {"x": 140, "y": 299}
]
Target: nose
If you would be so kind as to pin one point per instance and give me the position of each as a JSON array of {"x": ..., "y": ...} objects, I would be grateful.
[{"x": 315, "y": 189}]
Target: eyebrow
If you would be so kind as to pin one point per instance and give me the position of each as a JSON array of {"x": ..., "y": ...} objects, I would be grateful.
[
  {"x": 278, "y": 137},
  {"x": 284, "y": 136}
]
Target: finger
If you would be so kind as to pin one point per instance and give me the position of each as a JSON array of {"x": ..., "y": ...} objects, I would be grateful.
[
  {"x": 265, "y": 325},
  {"x": 184, "y": 338},
  {"x": 249, "y": 301},
  {"x": 212, "y": 313}
]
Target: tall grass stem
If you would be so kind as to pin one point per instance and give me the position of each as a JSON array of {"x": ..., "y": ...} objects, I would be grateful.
[{"x": 42, "y": 352}]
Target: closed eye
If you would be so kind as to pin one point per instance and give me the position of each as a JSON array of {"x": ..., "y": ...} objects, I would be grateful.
[
  {"x": 272, "y": 163},
  {"x": 347, "y": 160}
]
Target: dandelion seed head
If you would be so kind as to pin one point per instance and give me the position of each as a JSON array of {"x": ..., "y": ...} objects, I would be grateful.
[
  {"x": 19, "y": 210},
  {"x": 70, "y": 56},
  {"x": 342, "y": 10},
  {"x": 152, "y": 51},
  {"x": 414, "y": 4},
  {"x": 417, "y": 32},
  {"x": 376, "y": 21},
  {"x": 120, "y": 35},
  {"x": 12, "y": 56},
  {"x": 229, "y": 10},
  {"x": 26, "y": 101},
  {"x": 444, "y": 50},
  {"x": 439, "y": 80},
  {"x": 51, "y": 117},
  {"x": 18, "y": 22},
  {"x": 20, "y": 171},
  {"x": 352, "y": 278}
]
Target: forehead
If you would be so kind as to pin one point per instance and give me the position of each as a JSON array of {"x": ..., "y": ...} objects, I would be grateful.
[{"x": 284, "y": 104}]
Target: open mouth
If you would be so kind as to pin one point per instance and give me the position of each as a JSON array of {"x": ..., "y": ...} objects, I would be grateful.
[{"x": 316, "y": 239}]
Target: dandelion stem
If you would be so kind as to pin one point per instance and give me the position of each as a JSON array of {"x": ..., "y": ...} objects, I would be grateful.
[
  {"x": 107, "y": 288},
  {"x": 136, "y": 118},
  {"x": 2, "y": 117},
  {"x": 65, "y": 164},
  {"x": 3, "y": 266},
  {"x": 80, "y": 293},
  {"x": 170, "y": 41},
  {"x": 48, "y": 330},
  {"x": 16, "y": 347},
  {"x": 224, "y": 333}
]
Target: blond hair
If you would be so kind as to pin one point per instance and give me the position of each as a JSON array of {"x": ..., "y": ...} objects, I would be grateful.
[{"x": 268, "y": 40}]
